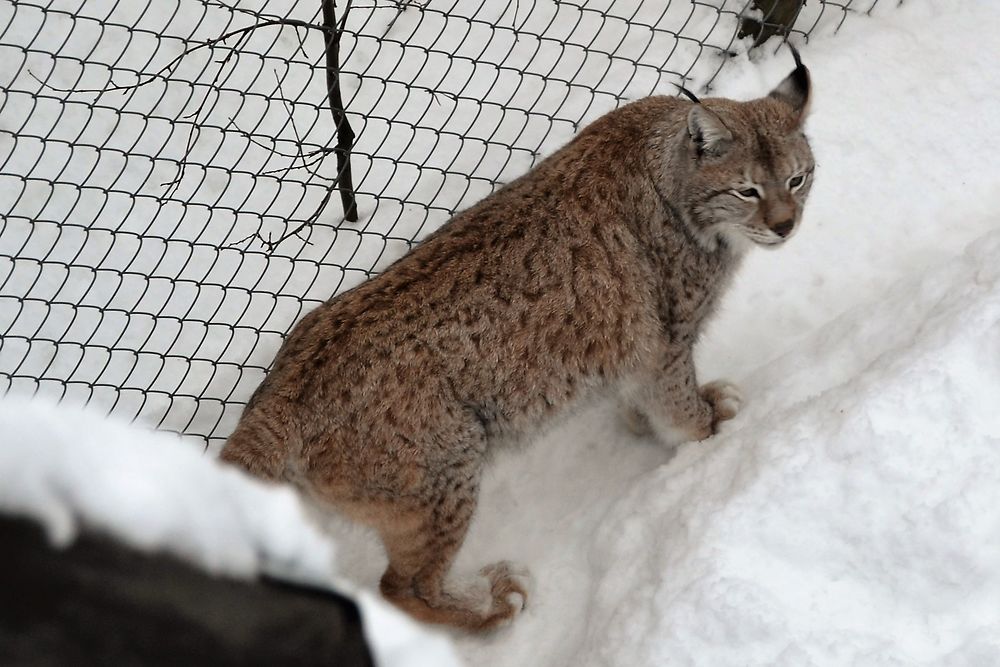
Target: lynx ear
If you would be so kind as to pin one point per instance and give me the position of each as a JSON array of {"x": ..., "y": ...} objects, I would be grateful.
[
  {"x": 796, "y": 88},
  {"x": 708, "y": 132}
]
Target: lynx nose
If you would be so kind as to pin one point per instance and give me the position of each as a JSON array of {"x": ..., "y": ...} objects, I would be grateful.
[{"x": 783, "y": 229}]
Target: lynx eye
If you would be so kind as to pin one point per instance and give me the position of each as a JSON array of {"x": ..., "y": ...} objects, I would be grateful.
[
  {"x": 796, "y": 181},
  {"x": 749, "y": 193}
]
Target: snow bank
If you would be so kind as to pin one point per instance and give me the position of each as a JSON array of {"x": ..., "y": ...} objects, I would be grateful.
[
  {"x": 848, "y": 516},
  {"x": 68, "y": 469},
  {"x": 857, "y": 525}
]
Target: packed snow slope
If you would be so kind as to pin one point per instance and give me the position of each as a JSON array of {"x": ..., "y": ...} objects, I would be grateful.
[{"x": 851, "y": 514}]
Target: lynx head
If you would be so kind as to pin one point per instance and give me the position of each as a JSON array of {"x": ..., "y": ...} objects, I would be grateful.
[{"x": 748, "y": 167}]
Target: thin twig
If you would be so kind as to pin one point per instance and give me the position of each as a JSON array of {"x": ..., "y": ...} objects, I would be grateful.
[
  {"x": 295, "y": 130},
  {"x": 401, "y": 6},
  {"x": 169, "y": 67},
  {"x": 256, "y": 142},
  {"x": 195, "y": 128},
  {"x": 316, "y": 156},
  {"x": 329, "y": 191}
]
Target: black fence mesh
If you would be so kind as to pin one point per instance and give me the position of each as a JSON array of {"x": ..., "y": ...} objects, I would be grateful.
[{"x": 170, "y": 202}]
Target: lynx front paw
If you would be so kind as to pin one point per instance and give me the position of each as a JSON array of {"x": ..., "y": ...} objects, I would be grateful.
[{"x": 725, "y": 399}]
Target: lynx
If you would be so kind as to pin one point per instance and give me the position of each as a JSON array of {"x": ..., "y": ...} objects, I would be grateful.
[{"x": 594, "y": 271}]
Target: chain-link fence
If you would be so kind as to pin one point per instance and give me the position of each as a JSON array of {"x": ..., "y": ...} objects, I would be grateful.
[{"x": 172, "y": 202}]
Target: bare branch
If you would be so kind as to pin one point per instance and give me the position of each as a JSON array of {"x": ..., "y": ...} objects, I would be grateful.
[
  {"x": 166, "y": 70},
  {"x": 314, "y": 157},
  {"x": 332, "y": 30},
  {"x": 345, "y": 135}
]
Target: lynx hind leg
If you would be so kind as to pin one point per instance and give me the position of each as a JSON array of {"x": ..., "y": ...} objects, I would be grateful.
[
  {"x": 421, "y": 550},
  {"x": 725, "y": 399}
]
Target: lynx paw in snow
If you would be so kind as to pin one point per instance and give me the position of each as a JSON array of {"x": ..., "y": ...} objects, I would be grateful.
[
  {"x": 509, "y": 586},
  {"x": 725, "y": 399}
]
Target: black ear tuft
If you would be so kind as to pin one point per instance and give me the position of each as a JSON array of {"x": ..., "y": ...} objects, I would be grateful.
[
  {"x": 796, "y": 89},
  {"x": 795, "y": 54},
  {"x": 688, "y": 94}
]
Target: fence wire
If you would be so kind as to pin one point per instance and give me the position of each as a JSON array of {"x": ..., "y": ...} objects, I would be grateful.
[{"x": 172, "y": 202}]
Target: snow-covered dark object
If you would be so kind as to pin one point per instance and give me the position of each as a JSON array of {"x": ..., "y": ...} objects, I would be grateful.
[
  {"x": 71, "y": 471},
  {"x": 98, "y": 602}
]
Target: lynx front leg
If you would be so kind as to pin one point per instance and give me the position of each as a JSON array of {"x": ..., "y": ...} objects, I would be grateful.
[{"x": 673, "y": 407}]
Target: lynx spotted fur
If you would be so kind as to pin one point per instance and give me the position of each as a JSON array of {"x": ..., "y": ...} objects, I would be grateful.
[{"x": 593, "y": 271}]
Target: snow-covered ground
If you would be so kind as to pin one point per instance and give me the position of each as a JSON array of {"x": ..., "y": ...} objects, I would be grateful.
[{"x": 851, "y": 513}]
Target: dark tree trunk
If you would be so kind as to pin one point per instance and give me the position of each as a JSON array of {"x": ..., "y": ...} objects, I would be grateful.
[{"x": 779, "y": 17}]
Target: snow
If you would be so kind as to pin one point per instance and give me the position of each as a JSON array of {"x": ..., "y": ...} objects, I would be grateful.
[
  {"x": 70, "y": 469},
  {"x": 847, "y": 516},
  {"x": 843, "y": 520}
]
